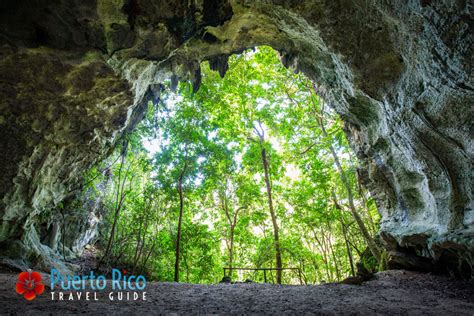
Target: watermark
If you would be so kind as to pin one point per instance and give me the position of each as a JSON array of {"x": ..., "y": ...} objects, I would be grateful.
[
  {"x": 88, "y": 287},
  {"x": 29, "y": 284}
]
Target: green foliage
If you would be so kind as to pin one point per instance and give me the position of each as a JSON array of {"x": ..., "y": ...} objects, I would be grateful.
[{"x": 213, "y": 139}]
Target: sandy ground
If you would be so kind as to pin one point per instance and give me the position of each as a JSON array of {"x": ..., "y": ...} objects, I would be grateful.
[{"x": 391, "y": 292}]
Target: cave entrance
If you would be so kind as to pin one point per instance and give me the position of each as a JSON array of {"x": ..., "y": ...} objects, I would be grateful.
[{"x": 251, "y": 170}]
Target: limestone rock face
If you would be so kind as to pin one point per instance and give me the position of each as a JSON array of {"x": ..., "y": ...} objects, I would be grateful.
[{"x": 75, "y": 75}]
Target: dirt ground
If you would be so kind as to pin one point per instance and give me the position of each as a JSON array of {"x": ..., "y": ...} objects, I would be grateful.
[{"x": 391, "y": 292}]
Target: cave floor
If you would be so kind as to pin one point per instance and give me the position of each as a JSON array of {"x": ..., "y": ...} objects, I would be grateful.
[{"x": 391, "y": 292}]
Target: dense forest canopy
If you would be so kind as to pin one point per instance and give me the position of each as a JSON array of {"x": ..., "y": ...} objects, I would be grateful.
[{"x": 252, "y": 170}]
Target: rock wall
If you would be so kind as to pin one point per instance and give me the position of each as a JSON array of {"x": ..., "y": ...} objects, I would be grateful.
[{"x": 75, "y": 75}]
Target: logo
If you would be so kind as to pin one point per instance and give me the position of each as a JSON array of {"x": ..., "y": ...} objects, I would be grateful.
[
  {"x": 29, "y": 284},
  {"x": 120, "y": 287}
]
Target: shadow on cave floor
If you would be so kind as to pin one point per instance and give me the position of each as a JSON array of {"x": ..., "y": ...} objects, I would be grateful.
[{"x": 395, "y": 292}]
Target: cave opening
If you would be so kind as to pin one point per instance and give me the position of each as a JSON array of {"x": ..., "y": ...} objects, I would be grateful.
[
  {"x": 252, "y": 170},
  {"x": 75, "y": 82}
]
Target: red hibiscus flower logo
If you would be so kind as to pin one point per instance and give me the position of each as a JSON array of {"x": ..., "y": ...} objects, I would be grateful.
[{"x": 29, "y": 284}]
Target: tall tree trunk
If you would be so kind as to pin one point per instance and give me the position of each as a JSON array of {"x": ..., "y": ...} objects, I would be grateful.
[
  {"x": 231, "y": 250},
  {"x": 146, "y": 258},
  {"x": 185, "y": 258},
  {"x": 180, "y": 221},
  {"x": 322, "y": 247},
  {"x": 232, "y": 219},
  {"x": 370, "y": 241},
  {"x": 273, "y": 215},
  {"x": 327, "y": 252},
  {"x": 141, "y": 237},
  {"x": 302, "y": 269},
  {"x": 344, "y": 234},
  {"x": 137, "y": 247},
  {"x": 334, "y": 258},
  {"x": 348, "y": 248}
]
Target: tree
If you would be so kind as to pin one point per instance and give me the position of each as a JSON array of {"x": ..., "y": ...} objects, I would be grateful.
[
  {"x": 259, "y": 131},
  {"x": 227, "y": 198}
]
